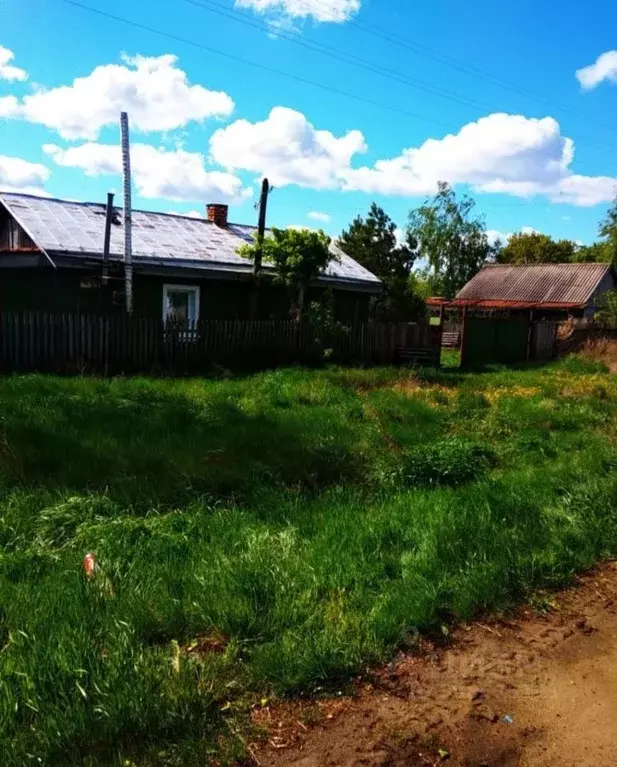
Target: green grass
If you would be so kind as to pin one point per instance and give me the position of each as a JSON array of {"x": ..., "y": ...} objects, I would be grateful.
[
  {"x": 271, "y": 535},
  {"x": 450, "y": 358}
]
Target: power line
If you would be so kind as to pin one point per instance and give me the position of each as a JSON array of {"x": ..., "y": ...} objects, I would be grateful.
[
  {"x": 212, "y": 6},
  {"x": 282, "y": 73},
  {"x": 418, "y": 47},
  {"x": 239, "y": 17},
  {"x": 256, "y": 64}
]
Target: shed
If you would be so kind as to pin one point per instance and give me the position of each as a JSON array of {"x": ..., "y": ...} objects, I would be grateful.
[
  {"x": 553, "y": 291},
  {"x": 509, "y": 312}
]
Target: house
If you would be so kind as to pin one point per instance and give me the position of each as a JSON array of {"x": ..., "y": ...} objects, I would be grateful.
[
  {"x": 538, "y": 291},
  {"x": 51, "y": 259}
]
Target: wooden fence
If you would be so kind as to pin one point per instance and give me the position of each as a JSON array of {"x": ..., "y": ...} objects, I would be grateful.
[
  {"x": 451, "y": 335},
  {"x": 508, "y": 340},
  {"x": 80, "y": 343}
]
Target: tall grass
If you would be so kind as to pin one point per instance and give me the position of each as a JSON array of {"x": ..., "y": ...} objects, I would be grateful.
[
  {"x": 603, "y": 350},
  {"x": 270, "y": 535}
]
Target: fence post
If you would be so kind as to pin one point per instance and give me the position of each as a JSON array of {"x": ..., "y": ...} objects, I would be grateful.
[{"x": 463, "y": 336}]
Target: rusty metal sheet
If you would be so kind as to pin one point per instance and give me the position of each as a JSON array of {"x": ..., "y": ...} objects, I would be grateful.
[{"x": 548, "y": 285}]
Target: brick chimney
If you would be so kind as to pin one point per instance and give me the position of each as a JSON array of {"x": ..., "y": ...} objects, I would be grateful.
[{"x": 217, "y": 213}]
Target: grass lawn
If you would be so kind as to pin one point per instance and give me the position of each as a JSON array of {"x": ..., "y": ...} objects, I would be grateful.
[{"x": 270, "y": 535}]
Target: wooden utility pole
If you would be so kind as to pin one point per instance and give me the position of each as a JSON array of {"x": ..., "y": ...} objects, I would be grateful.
[
  {"x": 109, "y": 214},
  {"x": 261, "y": 233},
  {"x": 261, "y": 225},
  {"x": 128, "y": 213}
]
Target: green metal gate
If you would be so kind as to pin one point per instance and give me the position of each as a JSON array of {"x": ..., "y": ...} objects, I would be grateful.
[{"x": 494, "y": 340}]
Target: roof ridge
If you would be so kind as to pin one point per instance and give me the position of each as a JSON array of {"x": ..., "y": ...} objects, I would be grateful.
[
  {"x": 3, "y": 193},
  {"x": 92, "y": 203},
  {"x": 547, "y": 263}
]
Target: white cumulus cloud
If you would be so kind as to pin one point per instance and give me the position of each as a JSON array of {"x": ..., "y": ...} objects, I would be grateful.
[
  {"x": 287, "y": 149},
  {"x": 17, "y": 175},
  {"x": 494, "y": 234},
  {"x": 603, "y": 68},
  {"x": 153, "y": 90},
  {"x": 336, "y": 11},
  {"x": 500, "y": 153},
  {"x": 7, "y": 70},
  {"x": 187, "y": 213},
  {"x": 317, "y": 215},
  {"x": 157, "y": 172}
]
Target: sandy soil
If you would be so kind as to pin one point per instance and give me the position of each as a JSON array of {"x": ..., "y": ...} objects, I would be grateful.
[{"x": 535, "y": 688}]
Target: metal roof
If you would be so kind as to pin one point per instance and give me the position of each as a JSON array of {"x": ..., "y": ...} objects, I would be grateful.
[
  {"x": 68, "y": 228},
  {"x": 526, "y": 286}
]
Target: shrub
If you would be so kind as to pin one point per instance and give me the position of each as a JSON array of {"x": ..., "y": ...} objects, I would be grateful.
[{"x": 447, "y": 462}]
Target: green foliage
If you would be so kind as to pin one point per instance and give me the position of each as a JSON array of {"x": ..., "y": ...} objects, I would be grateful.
[
  {"x": 452, "y": 461},
  {"x": 270, "y": 535},
  {"x": 599, "y": 252},
  {"x": 607, "y": 312},
  {"x": 373, "y": 243},
  {"x": 536, "y": 248},
  {"x": 321, "y": 318},
  {"x": 608, "y": 232},
  {"x": 452, "y": 241},
  {"x": 298, "y": 256},
  {"x": 605, "y": 250},
  {"x": 426, "y": 284}
]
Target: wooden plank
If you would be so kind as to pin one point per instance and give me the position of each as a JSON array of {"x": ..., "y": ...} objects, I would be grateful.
[
  {"x": 5, "y": 341},
  {"x": 113, "y": 344},
  {"x": 146, "y": 344}
]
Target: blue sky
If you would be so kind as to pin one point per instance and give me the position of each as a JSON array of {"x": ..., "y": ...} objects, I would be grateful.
[{"x": 484, "y": 95}]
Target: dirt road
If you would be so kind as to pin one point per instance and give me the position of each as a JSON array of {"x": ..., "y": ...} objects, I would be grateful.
[{"x": 537, "y": 688}]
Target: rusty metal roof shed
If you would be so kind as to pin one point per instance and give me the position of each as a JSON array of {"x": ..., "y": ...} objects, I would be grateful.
[
  {"x": 75, "y": 229},
  {"x": 533, "y": 285}
]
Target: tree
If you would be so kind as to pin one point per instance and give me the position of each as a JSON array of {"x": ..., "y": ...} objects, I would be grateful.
[
  {"x": 608, "y": 232},
  {"x": 373, "y": 243},
  {"x": 599, "y": 252},
  {"x": 608, "y": 309},
  {"x": 298, "y": 256},
  {"x": 536, "y": 248},
  {"x": 425, "y": 284},
  {"x": 453, "y": 242}
]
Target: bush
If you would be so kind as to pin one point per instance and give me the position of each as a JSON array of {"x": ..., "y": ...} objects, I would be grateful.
[{"x": 448, "y": 462}]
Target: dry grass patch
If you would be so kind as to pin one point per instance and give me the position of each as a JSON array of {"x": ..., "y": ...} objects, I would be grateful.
[{"x": 602, "y": 350}]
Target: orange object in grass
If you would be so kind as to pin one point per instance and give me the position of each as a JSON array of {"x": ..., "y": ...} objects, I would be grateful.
[{"x": 89, "y": 565}]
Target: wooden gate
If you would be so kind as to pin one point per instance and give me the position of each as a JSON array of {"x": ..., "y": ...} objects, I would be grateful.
[{"x": 490, "y": 340}]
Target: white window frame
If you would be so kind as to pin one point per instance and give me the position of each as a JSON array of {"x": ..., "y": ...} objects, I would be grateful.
[{"x": 167, "y": 287}]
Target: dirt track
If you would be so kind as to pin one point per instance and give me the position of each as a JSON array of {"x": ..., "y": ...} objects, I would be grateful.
[{"x": 539, "y": 688}]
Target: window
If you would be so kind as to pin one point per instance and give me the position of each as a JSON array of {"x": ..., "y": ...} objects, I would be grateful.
[{"x": 180, "y": 304}]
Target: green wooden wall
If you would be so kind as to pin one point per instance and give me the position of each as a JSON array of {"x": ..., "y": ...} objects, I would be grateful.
[
  {"x": 62, "y": 290},
  {"x": 491, "y": 340}
]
